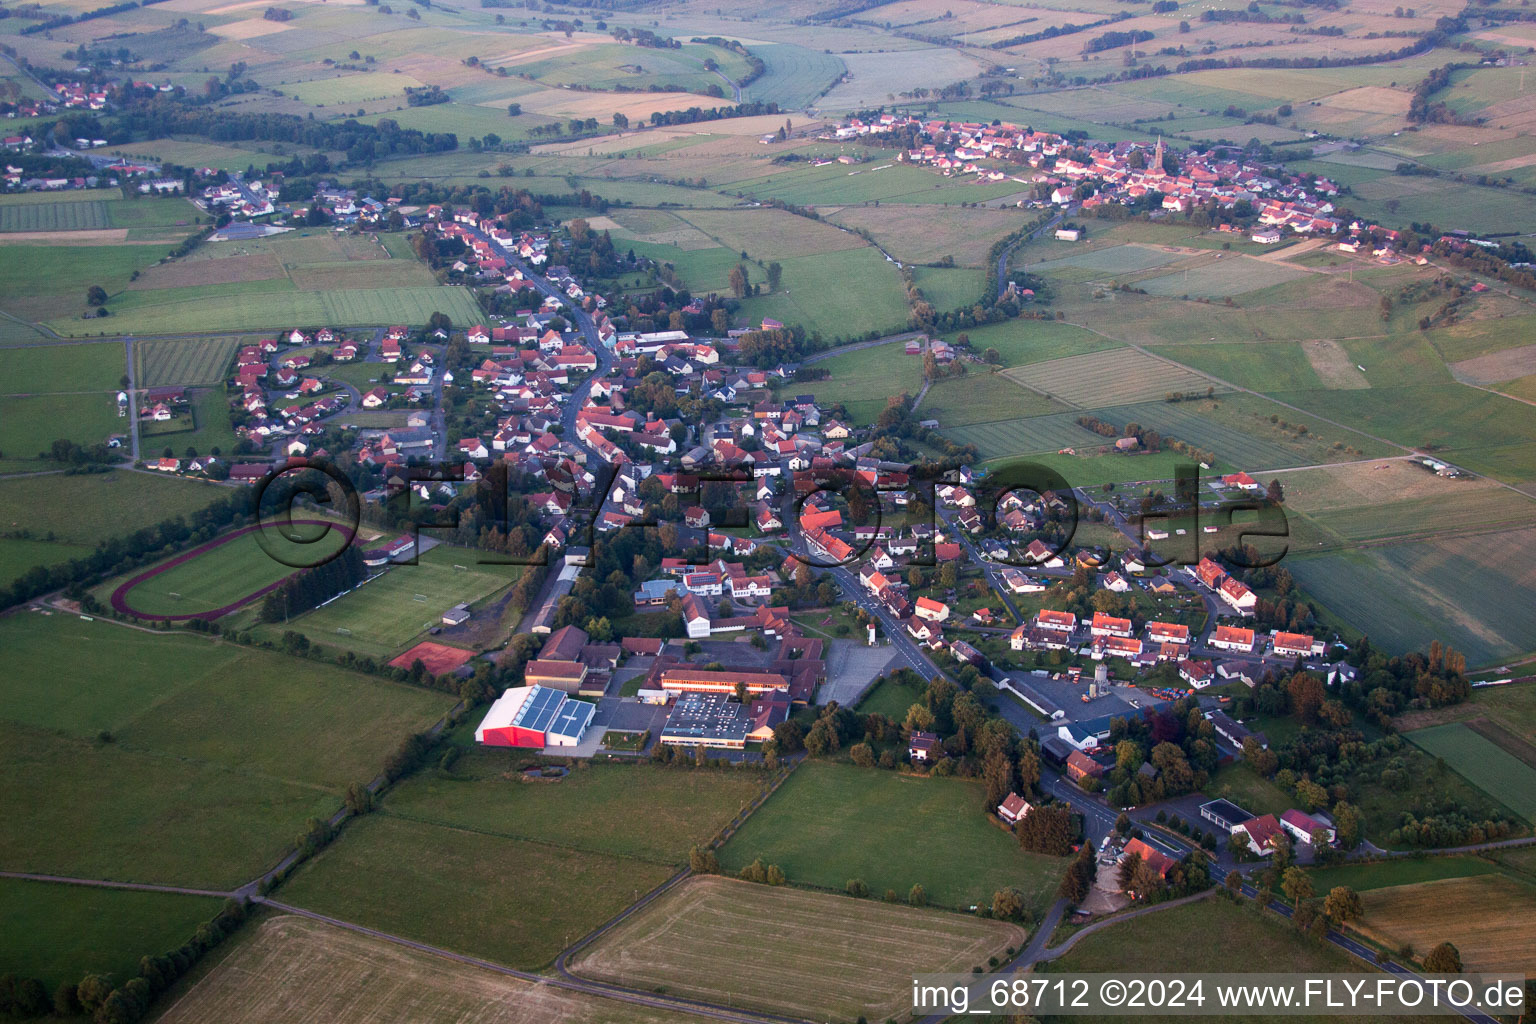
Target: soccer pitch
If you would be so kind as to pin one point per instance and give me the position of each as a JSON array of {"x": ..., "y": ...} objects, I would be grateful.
[{"x": 386, "y": 613}]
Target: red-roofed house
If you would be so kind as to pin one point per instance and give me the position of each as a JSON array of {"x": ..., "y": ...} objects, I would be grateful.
[
  {"x": 1261, "y": 834},
  {"x": 1233, "y": 638},
  {"x": 1013, "y": 808},
  {"x": 1109, "y": 625},
  {"x": 1301, "y": 826},
  {"x": 933, "y": 611},
  {"x": 1061, "y": 622}
]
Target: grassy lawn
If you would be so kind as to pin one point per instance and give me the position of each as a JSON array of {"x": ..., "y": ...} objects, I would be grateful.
[
  {"x": 864, "y": 379},
  {"x": 18, "y": 556},
  {"x": 59, "y": 933},
  {"x": 891, "y": 698},
  {"x": 514, "y": 902},
  {"x": 647, "y": 812},
  {"x": 57, "y": 368},
  {"x": 892, "y": 831},
  {"x": 1399, "y": 871},
  {"x": 1243, "y": 786},
  {"x": 90, "y": 507},
  {"x": 30, "y": 424},
  {"x": 217, "y": 753},
  {"x": 1495, "y": 771}
]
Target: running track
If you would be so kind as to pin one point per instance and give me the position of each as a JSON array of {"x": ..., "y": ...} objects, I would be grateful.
[{"x": 120, "y": 595}]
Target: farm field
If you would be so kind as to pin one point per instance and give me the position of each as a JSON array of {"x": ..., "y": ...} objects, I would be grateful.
[
  {"x": 48, "y": 282},
  {"x": 863, "y": 380},
  {"x": 99, "y": 211},
  {"x": 1461, "y": 422},
  {"x": 440, "y": 885},
  {"x": 1023, "y": 437},
  {"x": 1108, "y": 378},
  {"x": 1505, "y": 715},
  {"x": 164, "y": 362},
  {"x": 926, "y": 235},
  {"x": 49, "y": 369},
  {"x": 60, "y": 933},
  {"x": 795, "y": 75},
  {"x": 1492, "y": 769},
  {"x": 1114, "y": 260},
  {"x": 1399, "y": 871},
  {"x": 1457, "y": 589},
  {"x": 947, "y": 288},
  {"x": 383, "y": 615},
  {"x": 180, "y": 311},
  {"x": 718, "y": 939},
  {"x": 649, "y": 813},
  {"x": 90, "y": 507},
  {"x": 1488, "y": 917},
  {"x": 909, "y": 831},
  {"x": 227, "y": 573},
  {"x": 1021, "y": 342},
  {"x": 841, "y": 295},
  {"x": 330, "y": 973},
  {"x": 29, "y": 424},
  {"x": 17, "y": 556},
  {"x": 1221, "y": 279},
  {"x": 981, "y": 397},
  {"x": 1214, "y": 934},
  {"x": 1272, "y": 366}
]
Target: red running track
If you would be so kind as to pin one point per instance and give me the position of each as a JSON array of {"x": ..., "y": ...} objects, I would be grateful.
[{"x": 120, "y": 595}]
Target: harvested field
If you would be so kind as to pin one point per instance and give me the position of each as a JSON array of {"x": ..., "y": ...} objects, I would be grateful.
[
  {"x": 1491, "y": 919},
  {"x": 1107, "y": 378},
  {"x": 723, "y": 940},
  {"x": 1496, "y": 367},
  {"x": 297, "y": 969},
  {"x": 197, "y": 273},
  {"x": 1333, "y": 365},
  {"x": 103, "y": 236},
  {"x": 603, "y": 105}
]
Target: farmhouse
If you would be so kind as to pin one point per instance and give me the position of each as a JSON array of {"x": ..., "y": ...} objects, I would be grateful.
[
  {"x": 1080, "y": 766},
  {"x": 1154, "y": 858},
  {"x": 533, "y": 716}
]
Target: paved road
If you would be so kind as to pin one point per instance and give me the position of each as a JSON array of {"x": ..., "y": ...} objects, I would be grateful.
[{"x": 1002, "y": 260}]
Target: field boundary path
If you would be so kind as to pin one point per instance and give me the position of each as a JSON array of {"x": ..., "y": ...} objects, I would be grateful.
[
  {"x": 573, "y": 984},
  {"x": 101, "y": 883}
]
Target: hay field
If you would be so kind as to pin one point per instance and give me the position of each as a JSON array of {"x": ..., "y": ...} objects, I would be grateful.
[
  {"x": 1484, "y": 763},
  {"x": 1231, "y": 276},
  {"x": 1491, "y": 919},
  {"x": 771, "y": 234},
  {"x": 1496, "y": 367},
  {"x": 926, "y": 235},
  {"x": 1107, "y": 378},
  {"x": 297, "y": 969},
  {"x": 510, "y": 901},
  {"x": 724, "y": 940}
]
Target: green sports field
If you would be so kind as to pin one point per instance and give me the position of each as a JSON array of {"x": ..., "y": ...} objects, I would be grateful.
[
  {"x": 227, "y": 573},
  {"x": 1492, "y": 769},
  {"x": 383, "y": 615},
  {"x": 833, "y": 822}
]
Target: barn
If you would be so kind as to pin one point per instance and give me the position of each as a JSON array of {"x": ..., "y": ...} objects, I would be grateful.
[{"x": 534, "y": 716}]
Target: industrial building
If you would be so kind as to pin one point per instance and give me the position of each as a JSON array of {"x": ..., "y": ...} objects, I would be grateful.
[
  {"x": 708, "y": 720},
  {"x": 534, "y": 716}
]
